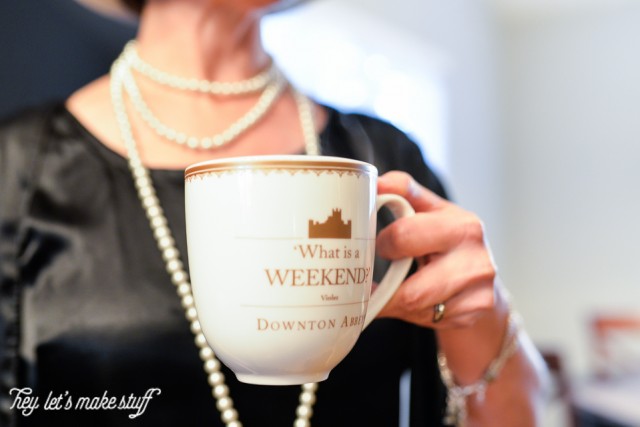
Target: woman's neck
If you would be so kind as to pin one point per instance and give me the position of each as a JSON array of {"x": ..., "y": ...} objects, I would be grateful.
[
  {"x": 204, "y": 39},
  {"x": 195, "y": 38}
]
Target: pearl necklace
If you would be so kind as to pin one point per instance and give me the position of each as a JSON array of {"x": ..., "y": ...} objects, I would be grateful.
[
  {"x": 254, "y": 84},
  {"x": 171, "y": 256},
  {"x": 273, "y": 80}
]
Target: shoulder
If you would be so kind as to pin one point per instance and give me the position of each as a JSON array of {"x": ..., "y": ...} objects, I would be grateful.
[
  {"x": 20, "y": 140},
  {"x": 20, "y": 135},
  {"x": 382, "y": 136},
  {"x": 377, "y": 141},
  {"x": 23, "y": 123},
  {"x": 27, "y": 135},
  {"x": 54, "y": 120}
]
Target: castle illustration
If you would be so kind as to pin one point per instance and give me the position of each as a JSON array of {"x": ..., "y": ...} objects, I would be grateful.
[{"x": 333, "y": 228}]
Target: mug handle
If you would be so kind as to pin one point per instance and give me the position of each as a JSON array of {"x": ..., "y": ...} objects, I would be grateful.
[{"x": 398, "y": 269}]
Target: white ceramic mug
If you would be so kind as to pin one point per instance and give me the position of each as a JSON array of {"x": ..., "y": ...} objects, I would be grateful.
[{"x": 281, "y": 252}]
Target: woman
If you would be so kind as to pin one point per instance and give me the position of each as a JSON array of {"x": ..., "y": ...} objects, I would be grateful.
[{"x": 88, "y": 309}]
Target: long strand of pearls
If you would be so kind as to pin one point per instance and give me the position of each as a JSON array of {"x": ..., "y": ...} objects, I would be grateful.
[
  {"x": 171, "y": 256},
  {"x": 311, "y": 143}
]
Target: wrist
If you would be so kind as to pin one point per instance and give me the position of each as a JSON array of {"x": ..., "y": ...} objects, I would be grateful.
[
  {"x": 459, "y": 393},
  {"x": 470, "y": 350}
]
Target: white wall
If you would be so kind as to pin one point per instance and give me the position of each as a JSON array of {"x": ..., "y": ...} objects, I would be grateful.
[
  {"x": 465, "y": 30},
  {"x": 356, "y": 60},
  {"x": 572, "y": 170}
]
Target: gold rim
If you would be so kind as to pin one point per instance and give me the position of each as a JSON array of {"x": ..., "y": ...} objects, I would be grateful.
[{"x": 289, "y": 164}]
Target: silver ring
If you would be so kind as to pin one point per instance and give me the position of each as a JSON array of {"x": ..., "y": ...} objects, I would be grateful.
[{"x": 438, "y": 312}]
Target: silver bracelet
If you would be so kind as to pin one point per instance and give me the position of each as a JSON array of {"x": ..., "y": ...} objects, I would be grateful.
[{"x": 456, "y": 411}]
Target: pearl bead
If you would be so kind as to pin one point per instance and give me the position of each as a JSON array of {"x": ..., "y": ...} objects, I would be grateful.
[
  {"x": 161, "y": 129},
  {"x": 307, "y": 398},
  {"x": 310, "y": 386},
  {"x": 191, "y": 314},
  {"x": 165, "y": 242},
  {"x": 187, "y": 301},
  {"x": 137, "y": 169},
  {"x": 193, "y": 142},
  {"x": 215, "y": 378},
  {"x": 304, "y": 411},
  {"x": 154, "y": 211},
  {"x": 200, "y": 341},
  {"x": 301, "y": 422},
  {"x": 206, "y": 353},
  {"x": 234, "y": 423},
  {"x": 170, "y": 254},
  {"x": 145, "y": 191},
  {"x": 162, "y": 231},
  {"x": 211, "y": 366},
  {"x": 229, "y": 415},
  {"x": 174, "y": 265},
  {"x": 207, "y": 143},
  {"x": 143, "y": 181},
  {"x": 195, "y": 327},
  {"x": 183, "y": 289},
  {"x": 179, "y": 277},
  {"x": 221, "y": 390},
  {"x": 224, "y": 403},
  {"x": 149, "y": 201}
]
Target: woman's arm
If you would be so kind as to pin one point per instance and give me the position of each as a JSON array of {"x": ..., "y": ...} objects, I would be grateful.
[
  {"x": 456, "y": 268},
  {"x": 516, "y": 396}
]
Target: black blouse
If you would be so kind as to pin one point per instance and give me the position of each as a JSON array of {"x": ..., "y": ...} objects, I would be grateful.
[{"x": 87, "y": 309}]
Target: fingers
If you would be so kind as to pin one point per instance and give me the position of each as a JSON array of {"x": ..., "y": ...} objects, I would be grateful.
[
  {"x": 464, "y": 309},
  {"x": 464, "y": 284},
  {"x": 444, "y": 277},
  {"x": 437, "y": 226},
  {"x": 404, "y": 185},
  {"x": 461, "y": 310},
  {"x": 455, "y": 263},
  {"x": 400, "y": 239},
  {"x": 429, "y": 233}
]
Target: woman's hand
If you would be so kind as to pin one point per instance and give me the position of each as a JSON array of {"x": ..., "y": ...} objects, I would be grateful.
[
  {"x": 455, "y": 263},
  {"x": 456, "y": 268}
]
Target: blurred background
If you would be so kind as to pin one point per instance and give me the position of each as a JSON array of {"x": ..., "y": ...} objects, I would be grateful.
[{"x": 528, "y": 109}]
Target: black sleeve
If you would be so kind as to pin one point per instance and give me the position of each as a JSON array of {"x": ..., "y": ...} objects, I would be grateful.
[
  {"x": 20, "y": 142},
  {"x": 379, "y": 143}
]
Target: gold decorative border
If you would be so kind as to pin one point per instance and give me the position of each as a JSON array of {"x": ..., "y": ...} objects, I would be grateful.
[
  {"x": 290, "y": 166},
  {"x": 201, "y": 175}
]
